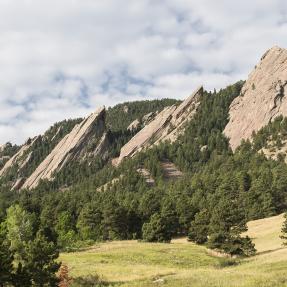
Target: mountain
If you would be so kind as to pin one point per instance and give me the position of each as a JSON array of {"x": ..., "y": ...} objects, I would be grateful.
[
  {"x": 21, "y": 161},
  {"x": 262, "y": 98},
  {"x": 129, "y": 128},
  {"x": 166, "y": 126},
  {"x": 80, "y": 140},
  {"x": 154, "y": 170},
  {"x": 86, "y": 139}
]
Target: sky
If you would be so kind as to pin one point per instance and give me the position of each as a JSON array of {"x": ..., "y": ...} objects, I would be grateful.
[{"x": 63, "y": 59}]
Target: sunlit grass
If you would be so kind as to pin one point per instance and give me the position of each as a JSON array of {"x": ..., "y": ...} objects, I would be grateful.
[{"x": 132, "y": 263}]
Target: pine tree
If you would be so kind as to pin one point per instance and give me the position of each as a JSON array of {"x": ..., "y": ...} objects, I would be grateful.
[
  {"x": 156, "y": 230},
  {"x": 41, "y": 261},
  {"x": 89, "y": 223},
  {"x": 228, "y": 221},
  {"x": 198, "y": 231}
]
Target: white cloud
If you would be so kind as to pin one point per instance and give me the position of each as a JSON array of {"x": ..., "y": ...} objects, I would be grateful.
[{"x": 64, "y": 58}]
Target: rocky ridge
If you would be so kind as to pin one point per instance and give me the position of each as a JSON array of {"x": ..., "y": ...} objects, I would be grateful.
[
  {"x": 90, "y": 132},
  {"x": 262, "y": 99},
  {"x": 167, "y": 125},
  {"x": 19, "y": 158}
]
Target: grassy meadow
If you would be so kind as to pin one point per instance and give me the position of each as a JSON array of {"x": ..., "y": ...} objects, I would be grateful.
[{"x": 181, "y": 263}]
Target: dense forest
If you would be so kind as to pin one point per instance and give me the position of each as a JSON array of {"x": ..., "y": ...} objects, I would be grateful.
[{"x": 219, "y": 191}]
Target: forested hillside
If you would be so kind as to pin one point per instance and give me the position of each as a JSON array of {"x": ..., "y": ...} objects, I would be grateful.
[
  {"x": 120, "y": 116},
  {"x": 219, "y": 191}
]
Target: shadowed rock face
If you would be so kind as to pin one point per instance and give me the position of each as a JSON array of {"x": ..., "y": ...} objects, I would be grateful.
[
  {"x": 72, "y": 146},
  {"x": 167, "y": 125},
  {"x": 263, "y": 97}
]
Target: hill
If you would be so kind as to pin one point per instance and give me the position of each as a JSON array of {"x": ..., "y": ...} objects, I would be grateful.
[
  {"x": 156, "y": 170},
  {"x": 181, "y": 263}
]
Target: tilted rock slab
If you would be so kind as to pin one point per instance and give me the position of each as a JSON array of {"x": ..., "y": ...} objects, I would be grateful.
[
  {"x": 18, "y": 157},
  {"x": 263, "y": 97},
  {"x": 69, "y": 148},
  {"x": 167, "y": 125}
]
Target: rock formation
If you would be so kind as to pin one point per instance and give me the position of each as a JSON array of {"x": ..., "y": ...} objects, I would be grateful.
[
  {"x": 146, "y": 175},
  {"x": 170, "y": 171},
  {"x": 134, "y": 125},
  {"x": 148, "y": 117},
  {"x": 263, "y": 97},
  {"x": 18, "y": 184},
  {"x": 167, "y": 125},
  {"x": 19, "y": 158},
  {"x": 73, "y": 145}
]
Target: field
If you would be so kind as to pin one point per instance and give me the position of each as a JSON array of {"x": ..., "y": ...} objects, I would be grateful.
[{"x": 132, "y": 263}]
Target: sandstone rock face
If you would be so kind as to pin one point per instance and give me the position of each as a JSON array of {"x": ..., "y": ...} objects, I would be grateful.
[
  {"x": 263, "y": 97},
  {"x": 134, "y": 125},
  {"x": 72, "y": 146},
  {"x": 19, "y": 158},
  {"x": 167, "y": 125},
  {"x": 170, "y": 171},
  {"x": 148, "y": 117}
]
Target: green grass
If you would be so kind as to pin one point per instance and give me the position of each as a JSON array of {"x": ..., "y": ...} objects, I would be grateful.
[{"x": 131, "y": 263}]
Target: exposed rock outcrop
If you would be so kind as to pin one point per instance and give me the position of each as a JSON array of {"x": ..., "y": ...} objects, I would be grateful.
[
  {"x": 19, "y": 157},
  {"x": 73, "y": 145},
  {"x": 134, "y": 125},
  {"x": 167, "y": 125},
  {"x": 110, "y": 184},
  {"x": 263, "y": 97},
  {"x": 170, "y": 171},
  {"x": 146, "y": 175},
  {"x": 148, "y": 117}
]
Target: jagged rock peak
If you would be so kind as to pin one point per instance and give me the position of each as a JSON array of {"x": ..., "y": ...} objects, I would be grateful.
[
  {"x": 167, "y": 125},
  {"x": 70, "y": 147},
  {"x": 262, "y": 98}
]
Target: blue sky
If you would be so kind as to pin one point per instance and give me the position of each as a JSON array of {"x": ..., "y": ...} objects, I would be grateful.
[{"x": 64, "y": 58}]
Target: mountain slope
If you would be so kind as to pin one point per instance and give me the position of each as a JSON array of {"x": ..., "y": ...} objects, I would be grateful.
[
  {"x": 167, "y": 125},
  {"x": 75, "y": 144},
  {"x": 263, "y": 97},
  {"x": 22, "y": 161}
]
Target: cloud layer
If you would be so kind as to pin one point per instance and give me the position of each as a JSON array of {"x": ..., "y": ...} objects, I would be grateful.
[{"x": 63, "y": 59}]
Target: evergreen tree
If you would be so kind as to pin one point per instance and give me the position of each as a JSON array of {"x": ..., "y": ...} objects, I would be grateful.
[
  {"x": 65, "y": 230},
  {"x": 156, "y": 230},
  {"x": 40, "y": 261},
  {"x": 228, "y": 220},
  {"x": 198, "y": 231},
  {"x": 6, "y": 258},
  {"x": 89, "y": 223}
]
